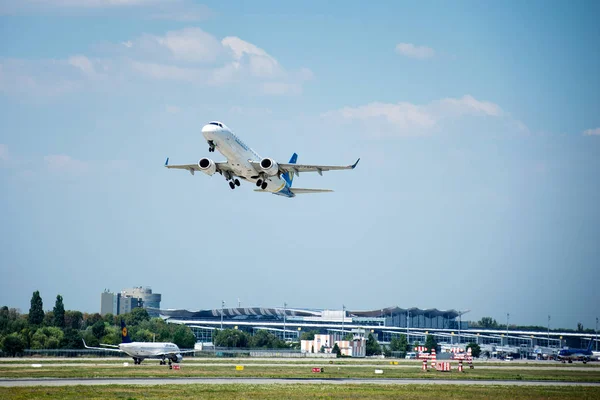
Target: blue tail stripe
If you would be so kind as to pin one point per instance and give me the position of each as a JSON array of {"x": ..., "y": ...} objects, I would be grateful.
[{"x": 286, "y": 176}]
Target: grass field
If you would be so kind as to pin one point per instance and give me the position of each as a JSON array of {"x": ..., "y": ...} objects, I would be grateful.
[
  {"x": 236, "y": 391},
  {"x": 292, "y": 370}
]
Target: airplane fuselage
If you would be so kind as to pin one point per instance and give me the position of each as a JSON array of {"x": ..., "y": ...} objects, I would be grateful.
[
  {"x": 239, "y": 155},
  {"x": 143, "y": 350}
]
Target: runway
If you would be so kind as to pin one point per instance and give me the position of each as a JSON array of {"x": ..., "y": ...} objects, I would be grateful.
[
  {"x": 150, "y": 363},
  {"x": 268, "y": 381}
]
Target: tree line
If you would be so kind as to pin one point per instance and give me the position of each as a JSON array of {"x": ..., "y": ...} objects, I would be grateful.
[{"x": 64, "y": 329}]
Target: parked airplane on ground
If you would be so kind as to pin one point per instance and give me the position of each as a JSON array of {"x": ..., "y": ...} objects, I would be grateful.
[
  {"x": 243, "y": 162},
  {"x": 141, "y": 350},
  {"x": 576, "y": 354}
]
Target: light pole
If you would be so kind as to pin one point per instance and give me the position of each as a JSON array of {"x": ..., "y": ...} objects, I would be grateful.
[
  {"x": 284, "y": 308},
  {"x": 222, "y": 306},
  {"x": 343, "y": 317},
  {"x": 507, "y": 315},
  {"x": 596, "y": 333},
  {"x": 548, "y": 330},
  {"x": 408, "y": 326}
]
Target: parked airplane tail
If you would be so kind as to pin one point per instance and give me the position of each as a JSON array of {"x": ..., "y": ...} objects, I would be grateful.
[
  {"x": 124, "y": 334},
  {"x": 286, "y": 176},
  {"x": 590, "y": 345}
]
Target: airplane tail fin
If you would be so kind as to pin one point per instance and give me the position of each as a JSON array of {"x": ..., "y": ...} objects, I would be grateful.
[
  {"x": 124, "y": 334},
  {"x": 286, "y": 176},
  {"x": 591, "y": 344}
]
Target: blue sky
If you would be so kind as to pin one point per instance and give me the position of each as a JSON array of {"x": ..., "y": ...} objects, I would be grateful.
[{"x": 477, "y": 124}]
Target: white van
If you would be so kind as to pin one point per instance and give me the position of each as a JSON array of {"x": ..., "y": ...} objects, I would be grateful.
[{"x": 411, "y": 356}]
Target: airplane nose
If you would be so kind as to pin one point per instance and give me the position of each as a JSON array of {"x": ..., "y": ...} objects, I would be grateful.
[{"x": 210, "y": 128}]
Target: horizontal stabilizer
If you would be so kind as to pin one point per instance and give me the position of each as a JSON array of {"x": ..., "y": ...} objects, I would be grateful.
[{"x": 300, "y": 191}]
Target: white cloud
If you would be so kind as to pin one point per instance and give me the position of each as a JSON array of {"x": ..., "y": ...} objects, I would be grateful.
[
  {"x": 82, "y": 63},
  {"x": 592, "y": 132},
  {"x": 260, "y": 63},
  {"x": 412, "y": 51},
  {"x": 189, "y": 56},
  {"x": 191, "y": 44},
  {"x": 412, "y": 119}
]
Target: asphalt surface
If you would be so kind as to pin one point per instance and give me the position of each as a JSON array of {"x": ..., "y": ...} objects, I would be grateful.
[
  {"x": 264, "y": 381},
  {"x": 150, "y": 363}
]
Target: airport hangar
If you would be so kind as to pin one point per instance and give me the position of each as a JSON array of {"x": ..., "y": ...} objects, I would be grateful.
[{"x": 446, "y": 326}]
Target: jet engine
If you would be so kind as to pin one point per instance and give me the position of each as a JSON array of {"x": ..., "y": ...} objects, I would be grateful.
[
  {"x": 176, "y": 358},
  {"x": 269, "y": 166},
  {"x": 207, "y": 166}
]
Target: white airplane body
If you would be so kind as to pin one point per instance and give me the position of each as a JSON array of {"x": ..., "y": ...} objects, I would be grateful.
[
  {"x": 165, "y": 351},
  {"x": 245, "y": 163}
]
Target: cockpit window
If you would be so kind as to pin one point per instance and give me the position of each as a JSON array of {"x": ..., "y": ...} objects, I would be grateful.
[{"x": 216, "y": 123}]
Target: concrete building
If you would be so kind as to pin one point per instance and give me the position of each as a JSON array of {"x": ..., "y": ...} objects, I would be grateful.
[
  {"x": 357, "y": 347},
  {"x": 128, "y": 299},
  {"x": 150, "y": 300}
]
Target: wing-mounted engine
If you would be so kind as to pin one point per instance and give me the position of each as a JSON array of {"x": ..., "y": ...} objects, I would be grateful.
[
  {"x": 207, "y": 166},
  {"x": 269, "y": 166},
  {"x": 176, "y": 358}
]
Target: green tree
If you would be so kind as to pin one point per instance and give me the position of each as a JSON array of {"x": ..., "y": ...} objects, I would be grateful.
[
  {"x": 13, "y": 344},
  {"x": 373, "y": 348},
  {"x": 488, "y": 323},
  {"x": 396, "y": 344},
  {"x": 48, "y": 337},
  {"x": 430, "y": 343},
  {"x": 91, "y": 319},
  {"x": 308, "y": 335},
  {"x": 349, "y": 336},
  {"x": 73, "y": 319},
  {"x": 48, "y": 318},
  {"x": 71, "y": 339},
  {"x": 141, "y": 335},
  {"x": 336, "y": 350},
  {"x": 136, "y": 316},
  {"x": 184, "y": 337},
  {"x": 110, "y": 319},
  {"x": 265, "y": 339},
  {"x": 579, "y": 327},
  {"x": 475, "y": 349},
  {"x": 59, "y": 312},
  {"x": 36, "y": 311},
  {"x": 232, "y": 338},
  {"x": 98, "y": 329},
  {"x": 112, "y": 335}
]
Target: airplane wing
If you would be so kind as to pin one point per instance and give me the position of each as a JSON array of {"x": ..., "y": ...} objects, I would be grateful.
[
  {"x": 297, "y": 168},
  {"x": 109, "y": 345},
  {"x": 221, "y": 166},
  {"x": 102, "y": 348},
  {"x": 188, "y": 351}
]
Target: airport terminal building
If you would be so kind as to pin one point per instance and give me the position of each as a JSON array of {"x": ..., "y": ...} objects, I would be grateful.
[
  {"x": 289, "y": 323},
  {"x": 446, "y": 326}
]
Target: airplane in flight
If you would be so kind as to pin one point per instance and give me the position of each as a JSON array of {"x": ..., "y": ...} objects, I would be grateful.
[
  {"x": 165, "y": 351},
  {"x": 244, "y": 163},
  {"x": 577, "y": 354}
]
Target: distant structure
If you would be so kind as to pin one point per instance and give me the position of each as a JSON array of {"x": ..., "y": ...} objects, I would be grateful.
[{"x": 128, "y": 299}]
